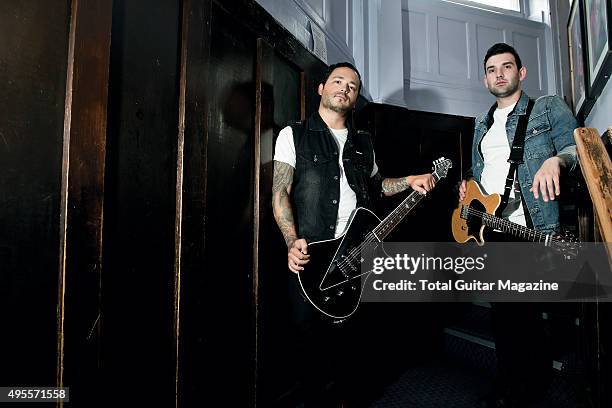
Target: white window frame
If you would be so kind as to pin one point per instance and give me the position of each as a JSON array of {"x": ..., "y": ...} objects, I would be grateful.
[{"x": 523, "y": 5}]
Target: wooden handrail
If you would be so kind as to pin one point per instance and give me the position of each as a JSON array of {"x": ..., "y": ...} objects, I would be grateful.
[{"x": 596, "y": 168}]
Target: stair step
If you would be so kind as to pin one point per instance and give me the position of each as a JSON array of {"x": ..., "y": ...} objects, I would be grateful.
[
  {"x": 473, "y": 319},
  {"x": 470, "y": 351},
  {"x": 474, "y": 354},
  {"x": 470, "y": 337}
]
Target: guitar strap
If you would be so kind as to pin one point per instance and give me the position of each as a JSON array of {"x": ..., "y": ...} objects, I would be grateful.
[{"x": 516, "y": 156}]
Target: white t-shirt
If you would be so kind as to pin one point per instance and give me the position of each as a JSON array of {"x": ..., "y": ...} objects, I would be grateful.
[
  {"x": 496, "y": 151},
  {"x": 285, "y": 152}
]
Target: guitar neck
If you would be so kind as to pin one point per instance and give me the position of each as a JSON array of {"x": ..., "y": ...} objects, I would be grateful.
[
  {"x": 397, "y": 215},
  {"x": 514, "y": 229}
]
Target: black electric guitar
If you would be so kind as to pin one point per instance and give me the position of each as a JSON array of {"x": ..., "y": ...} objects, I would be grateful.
[
  {"x": 333, "y": 280},
  {"x": 477, "y": 211}
]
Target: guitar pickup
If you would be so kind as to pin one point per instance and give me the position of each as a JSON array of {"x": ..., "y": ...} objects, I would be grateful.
[{"x": 464, "y": 211}]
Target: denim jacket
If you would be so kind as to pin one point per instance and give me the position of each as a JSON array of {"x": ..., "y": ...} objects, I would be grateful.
[{"x": 549, "y": 133}]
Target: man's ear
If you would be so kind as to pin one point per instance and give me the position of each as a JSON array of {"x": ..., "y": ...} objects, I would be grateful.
[
  {"x": 320, "y": 89},
  {"x": 522, "y": 73},
  {"x": 484, "y": 81}
]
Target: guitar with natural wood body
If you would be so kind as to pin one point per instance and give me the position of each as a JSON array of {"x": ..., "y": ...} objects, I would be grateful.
[{"x": 478, "y": 210}]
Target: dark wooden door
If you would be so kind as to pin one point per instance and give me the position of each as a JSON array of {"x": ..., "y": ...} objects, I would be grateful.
[
  {"x": 216, "y": 342},
  {"x": 282, "y": 99},
  {"x": 33, "y": 62},
  {"x": 137, "y": 320}
]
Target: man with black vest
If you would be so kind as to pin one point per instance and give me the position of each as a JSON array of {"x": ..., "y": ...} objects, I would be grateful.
[
  {"x": 540, "y": 136},
  {"x": 323, "y": 170}
]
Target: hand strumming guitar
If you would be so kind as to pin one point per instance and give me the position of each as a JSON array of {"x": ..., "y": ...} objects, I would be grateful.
[
  {"x": 297, "y": 255},
  {"x": 462, "y": 189}
]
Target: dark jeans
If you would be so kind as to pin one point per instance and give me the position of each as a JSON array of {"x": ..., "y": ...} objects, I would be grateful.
[
  {"x": 328, "y": 353},
  {"x": 522, "y": 344}
]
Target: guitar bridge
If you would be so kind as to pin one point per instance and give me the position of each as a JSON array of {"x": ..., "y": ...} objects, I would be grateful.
[{"x": 340, "y": 267}]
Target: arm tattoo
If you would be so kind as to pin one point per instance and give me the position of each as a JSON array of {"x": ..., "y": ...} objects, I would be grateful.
[
  {"x": 281, "y": 205},
  {"x": 394, "y": 185},
  {"x": 283, "y": 177}
]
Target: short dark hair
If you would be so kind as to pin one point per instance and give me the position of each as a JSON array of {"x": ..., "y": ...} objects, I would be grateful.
[
  {"x": 331, "y": 68},
  {"x": 502, "y": 48}
]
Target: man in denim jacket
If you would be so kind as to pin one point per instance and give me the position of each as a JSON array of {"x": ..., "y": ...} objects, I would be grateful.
[
  {"x": 523, "y": 363},
  {"x": 549, "y": 141}
]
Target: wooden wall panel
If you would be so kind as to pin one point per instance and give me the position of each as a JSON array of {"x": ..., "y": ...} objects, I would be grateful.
[
  {"x": 225, "y": 279},
  {"x": 281, "y": 100},
  {"x": 531, "y": 49},
  {"x": 416, "y": 51},
  {"x": 216, "y": 345},
  {"x": 226, "y": 297},
  {"x": 485, "y": 37},
  {"x": 192, "y": 326},
  {"x": 33, "y": 58},
  {"x": 453, "y": 50},
  {"x": 139, "y": 207},
  {"x": 78, "y": 359}
]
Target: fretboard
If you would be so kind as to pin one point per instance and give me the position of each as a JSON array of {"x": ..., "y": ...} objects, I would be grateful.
[
  {"x": 510, "y": 227},
  {"x": 396, "y": 216}
]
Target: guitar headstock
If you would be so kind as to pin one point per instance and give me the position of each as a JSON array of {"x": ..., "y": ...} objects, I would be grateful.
[
  {"x": 567, "y": 244},
  {"x": 441, "y": 166}
]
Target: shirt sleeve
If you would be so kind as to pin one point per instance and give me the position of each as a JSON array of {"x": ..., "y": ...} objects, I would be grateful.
[
  {"x": 285, "y": 147},
  {"x": 374, "y": 167}
]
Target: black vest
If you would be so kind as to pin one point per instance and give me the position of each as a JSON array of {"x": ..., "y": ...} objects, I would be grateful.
[{"x": 316, "y": 180}]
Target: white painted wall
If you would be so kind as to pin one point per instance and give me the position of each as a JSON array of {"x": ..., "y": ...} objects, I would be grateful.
[
  {"x": 444, "y": 47},
  {"x": 422, "y": 54},
  {"x": 333, "y": 17},
  {"x": 385, "y": 71}
]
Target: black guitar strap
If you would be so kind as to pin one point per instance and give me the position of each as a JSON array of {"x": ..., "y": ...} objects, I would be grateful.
[{"x": 516, "y": 156}]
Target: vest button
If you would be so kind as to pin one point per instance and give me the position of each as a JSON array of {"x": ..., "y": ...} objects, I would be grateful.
[
  {"x": 331, "y": 227},
  {"x": 335, "y": 201},
  {"x": 335, "y": 177}
]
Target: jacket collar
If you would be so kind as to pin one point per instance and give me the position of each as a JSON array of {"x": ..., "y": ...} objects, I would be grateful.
[
  {"x": 316, "y": 123},
  {"x": 521, "y": 105},
  {"x": 519, "y": 109}
]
